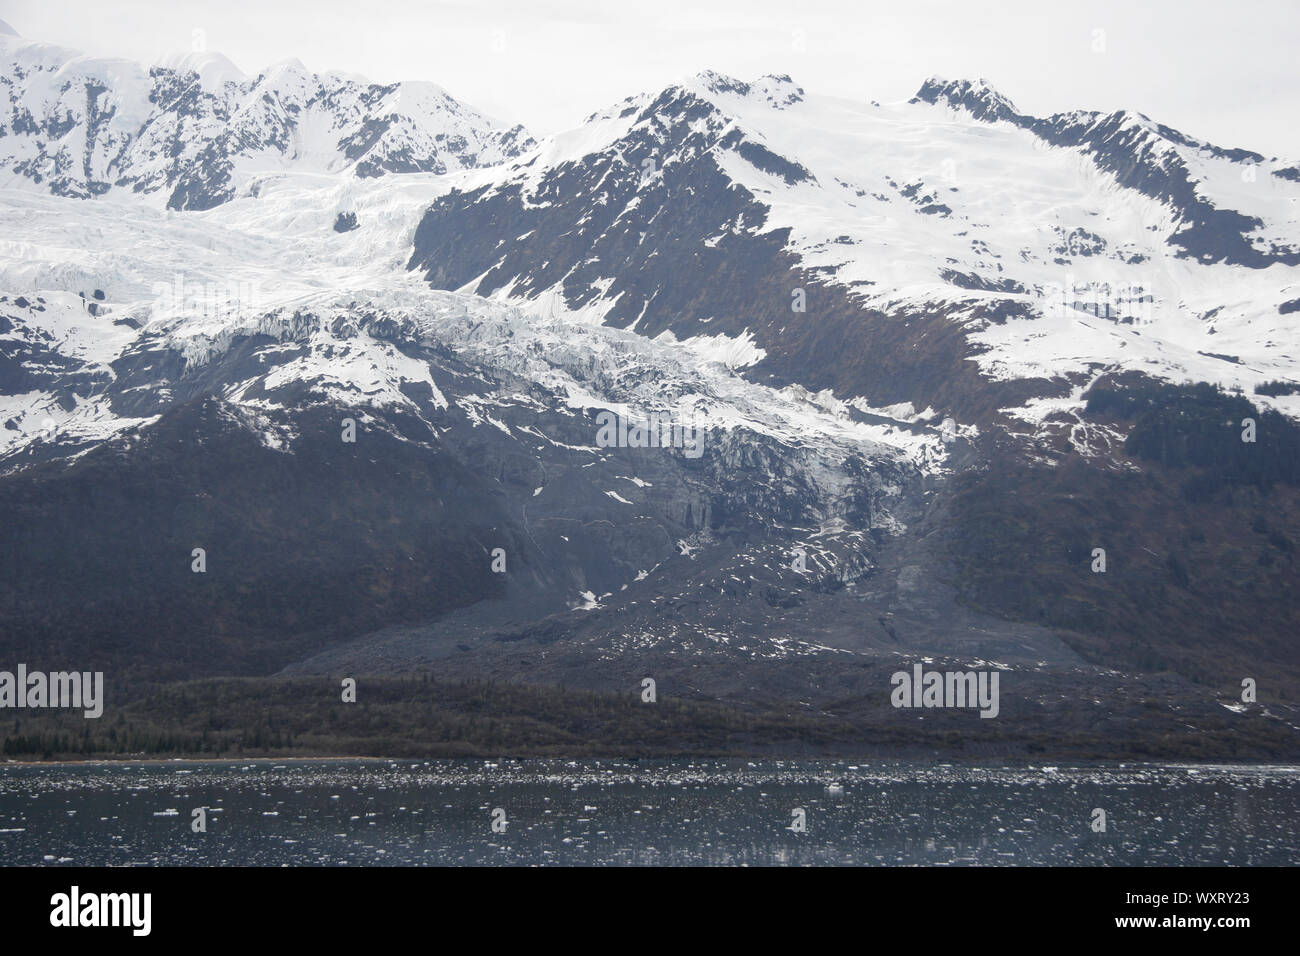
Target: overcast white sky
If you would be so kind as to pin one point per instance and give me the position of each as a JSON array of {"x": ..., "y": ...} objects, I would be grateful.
[{"x": 1223, "y": 71}]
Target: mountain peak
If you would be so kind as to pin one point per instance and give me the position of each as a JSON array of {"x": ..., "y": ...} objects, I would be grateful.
[
  {"x": 8, "y": 31},
  {"x": 977, "y": 97},
  {"x": 213, "y": 69},
  {"x": 717, "y": 82},
  {"x": 164, "y": 135},
  {"x": 777, "y": 90},
  {"x": 288, "y": 75}
]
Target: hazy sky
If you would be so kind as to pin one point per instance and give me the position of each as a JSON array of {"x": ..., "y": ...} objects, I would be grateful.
[{"x": 1222, "y": 71}]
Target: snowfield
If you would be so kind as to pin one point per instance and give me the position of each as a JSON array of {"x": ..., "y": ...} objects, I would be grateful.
[
  {"x": 304, "y": 284},
  {"x": 918, "y": 205}
]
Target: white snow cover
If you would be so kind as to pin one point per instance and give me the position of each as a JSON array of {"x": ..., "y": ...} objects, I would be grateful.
[
  {"x": 80, "y": 125},
  {"x": 264, "y": 264},
  {"x": 197, "y": 279},
  {"x": 903, "y": 201}
]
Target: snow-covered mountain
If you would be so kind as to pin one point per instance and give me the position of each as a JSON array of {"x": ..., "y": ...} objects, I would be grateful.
[
  {"x": 195, "y": 131},
  {"x": 875, "y": 335},
  {"x": 1035, "y": 252},
  {"x": 167, "y": 355}
]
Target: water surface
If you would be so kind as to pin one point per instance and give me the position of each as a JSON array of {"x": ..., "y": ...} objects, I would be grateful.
[{"x": 591, "y": 812}]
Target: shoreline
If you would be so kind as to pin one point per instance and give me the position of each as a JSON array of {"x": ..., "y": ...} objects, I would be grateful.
[
  {"x": 1046, "y": 765},
  {"x": 166, "y": 760}
]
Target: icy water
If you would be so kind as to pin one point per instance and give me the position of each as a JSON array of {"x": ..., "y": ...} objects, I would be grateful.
[{"x": 672, "y": 812}]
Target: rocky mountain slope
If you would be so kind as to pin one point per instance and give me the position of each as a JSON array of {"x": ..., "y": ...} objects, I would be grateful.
[
  {"x": 983, "y": 259},
  {"x": 759, "y": 394}
]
